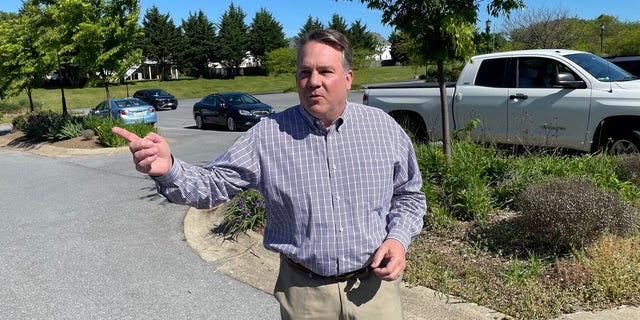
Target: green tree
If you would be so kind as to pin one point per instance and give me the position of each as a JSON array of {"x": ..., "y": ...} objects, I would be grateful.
[
  {"x": 199, "y": 35},
  {"x": 338, "y": 23},
  {"x": 442, "y": 30},
  {"x": 281, "y": 61},
  {"x": 105, "y": 40},
  {"x": 400, "y": 47},
  {"x": 161, "y": 40},
  {"x": 309, "y": 25},
  {"x": 364, "y": 43},
  {"x": 265, "y": 35},
  {"x": 233, "y": 38},
  {"x": 21, "y": 65}
]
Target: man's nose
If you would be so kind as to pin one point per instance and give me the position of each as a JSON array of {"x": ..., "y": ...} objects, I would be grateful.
[{"x": 314, "y": 79}]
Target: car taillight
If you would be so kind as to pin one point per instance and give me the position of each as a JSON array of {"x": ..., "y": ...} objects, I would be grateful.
[
  {"x": 365, "y": 99},
  {"x": 152, "y": 110},
  {"x": 123, "y": 112}
]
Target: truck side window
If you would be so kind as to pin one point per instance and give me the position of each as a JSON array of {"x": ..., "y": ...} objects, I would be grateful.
[
  {"x": 491, "y": 73},
  {"x": 534, "y": 72}
]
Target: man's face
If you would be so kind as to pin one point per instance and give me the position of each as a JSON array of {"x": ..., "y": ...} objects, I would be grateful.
[{"x": 323, "y": 83}]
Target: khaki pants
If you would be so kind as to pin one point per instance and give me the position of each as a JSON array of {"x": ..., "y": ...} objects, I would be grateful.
[{"x": 302, "y": 296}]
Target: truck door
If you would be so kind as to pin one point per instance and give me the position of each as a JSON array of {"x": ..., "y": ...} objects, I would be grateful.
[
  {"x": 542, "y": 113},
  {"x": 484, "y": 100}
]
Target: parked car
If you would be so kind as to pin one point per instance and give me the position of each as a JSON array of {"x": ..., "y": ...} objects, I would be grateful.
[
  {"x": 629, "y": 63},
  {"x": 158, "y": 98},
  {"x": 235, "y": 110},
  {"x": 130, "y": 110}
]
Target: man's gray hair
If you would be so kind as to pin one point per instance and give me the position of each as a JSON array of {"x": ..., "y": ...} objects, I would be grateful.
[{"x": 332, "y": 38}]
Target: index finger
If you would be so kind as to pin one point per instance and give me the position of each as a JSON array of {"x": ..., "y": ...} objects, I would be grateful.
[{"x": 125, "y": 134}]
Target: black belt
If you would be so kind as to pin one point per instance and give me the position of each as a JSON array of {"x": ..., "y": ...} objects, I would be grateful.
[{"x": 338, "y": 277}]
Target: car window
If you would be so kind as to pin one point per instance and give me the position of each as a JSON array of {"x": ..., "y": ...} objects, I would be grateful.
[
  {"x": 248, "y": 99},
  {"x": 159, "y": 92},
  {"x": 491, "y": 73},
  {"x": 599, "y": 68},
  {"x": 218, "y": 101},
  {"x": 208, "y": 100},
  {"x": 536, "y": 72},
  {"x": 129, "y": 103}
]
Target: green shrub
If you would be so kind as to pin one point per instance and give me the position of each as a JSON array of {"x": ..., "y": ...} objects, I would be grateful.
[
  {"x": 628, "y": 166},
  {"x": 246, "y": 211},
  {"x": 19, "y": 122},
  {"x": 572, "y": 213},
  {"x": 464, "y": 183},
  {"x": 49, "y": 125},
  {"x": 70, "y": 127}
]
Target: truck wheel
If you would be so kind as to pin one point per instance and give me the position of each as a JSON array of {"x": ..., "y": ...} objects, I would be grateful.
[
  {"x": 625, "y": 143},
  {"x": 414, "y": 128}
]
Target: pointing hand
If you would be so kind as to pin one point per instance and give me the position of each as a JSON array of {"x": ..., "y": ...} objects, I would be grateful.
[{"x": 151, "y": 154}]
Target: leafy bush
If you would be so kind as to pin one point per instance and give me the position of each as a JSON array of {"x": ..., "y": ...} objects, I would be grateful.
[
  {"x": 246, "y": 211},
  {"x": 48, "y": 125},
  {"x": 572, "y": 213},
  {"x": 465, "y": 183},
  {"x": 19, "y": 122},
  {"x": 70, "y": 127},
  {"x": 629, "y": 167}
]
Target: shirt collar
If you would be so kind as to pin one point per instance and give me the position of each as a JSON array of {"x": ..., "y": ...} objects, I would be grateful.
[{"x": 318, "y": 125}]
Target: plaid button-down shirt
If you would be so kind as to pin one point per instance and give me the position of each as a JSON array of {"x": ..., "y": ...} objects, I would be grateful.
[{"x": 333, "y": 196}]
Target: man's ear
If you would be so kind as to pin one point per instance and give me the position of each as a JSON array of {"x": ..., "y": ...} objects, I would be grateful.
[{"x": 349, "y": 76}]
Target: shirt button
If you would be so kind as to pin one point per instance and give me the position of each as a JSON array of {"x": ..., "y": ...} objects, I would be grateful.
[
  {"x": 340, "y": 229},
  {"x": 337, "y": 197}
]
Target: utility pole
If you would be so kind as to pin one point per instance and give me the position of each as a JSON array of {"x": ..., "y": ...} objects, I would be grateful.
[{"x": 602, "y": 38}]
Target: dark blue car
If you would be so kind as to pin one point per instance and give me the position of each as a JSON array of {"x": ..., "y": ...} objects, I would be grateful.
[{"x": 235, "y": 110}]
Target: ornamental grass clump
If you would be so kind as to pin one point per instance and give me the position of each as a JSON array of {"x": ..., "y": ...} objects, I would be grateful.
[
  {"x": 628, "y": 166},
  {"x": 246, "y": 211},
  {"x": 572, "y": 213}
]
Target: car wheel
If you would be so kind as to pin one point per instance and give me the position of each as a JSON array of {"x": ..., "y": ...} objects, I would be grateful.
[
  {"x": 199, "y": 123},
  {"x": 625, "y": 143},
  {"x": 231, "y": 124},
  {"x": 173, "y": 108}
]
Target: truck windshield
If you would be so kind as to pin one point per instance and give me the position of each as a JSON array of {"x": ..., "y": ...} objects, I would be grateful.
[{"x": 600, "y": 68}]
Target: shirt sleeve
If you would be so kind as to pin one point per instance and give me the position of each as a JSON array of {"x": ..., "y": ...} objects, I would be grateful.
[
  {"x": 408, "y": 203},
  {"x": 218, "y": 181}
]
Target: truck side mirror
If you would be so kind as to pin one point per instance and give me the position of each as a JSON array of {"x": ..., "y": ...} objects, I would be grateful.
[{"x": 567, "y": 81}]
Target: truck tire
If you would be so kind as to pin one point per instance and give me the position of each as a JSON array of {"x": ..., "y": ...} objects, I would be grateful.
[
  {"x": 624, "y": 143},
  {"x": 413, "y": 126}
]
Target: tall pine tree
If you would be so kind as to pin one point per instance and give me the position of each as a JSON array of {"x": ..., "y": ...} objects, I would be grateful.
[
  {"x": 199, "y": 48},
  {"x": 161, "y": 40},
  {"x": 233, "y": 39},
  {"x": 265, "y": 35}
]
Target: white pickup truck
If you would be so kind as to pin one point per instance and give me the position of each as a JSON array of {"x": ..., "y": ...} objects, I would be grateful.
[{"x": 548, "y": 98}]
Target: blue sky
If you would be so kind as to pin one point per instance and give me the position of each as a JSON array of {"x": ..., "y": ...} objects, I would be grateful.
[{"x": 292, "y": 14}]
